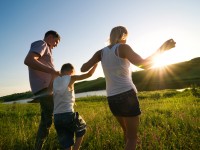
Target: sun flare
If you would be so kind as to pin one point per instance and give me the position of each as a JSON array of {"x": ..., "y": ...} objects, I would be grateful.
[
  {"x": 160, "y": 61},
  {"x": 146, "y": 44}
]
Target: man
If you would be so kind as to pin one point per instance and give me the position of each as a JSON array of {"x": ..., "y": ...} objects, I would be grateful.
[{"x": 41, "y": 74}]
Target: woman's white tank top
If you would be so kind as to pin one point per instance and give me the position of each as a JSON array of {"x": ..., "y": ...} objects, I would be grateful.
[{"x": 117, "y": 71}]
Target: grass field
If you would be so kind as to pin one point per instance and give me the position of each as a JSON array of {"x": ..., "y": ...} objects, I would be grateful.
[{"x": 170, "y": 120}]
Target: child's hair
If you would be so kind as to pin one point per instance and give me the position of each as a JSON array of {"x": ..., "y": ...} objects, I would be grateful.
[
  {"x": 118, "y": 33},
  {"x": 67, "y": 67}
]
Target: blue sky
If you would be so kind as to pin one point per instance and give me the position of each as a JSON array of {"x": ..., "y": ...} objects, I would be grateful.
[{"x": 84, "y": 26}]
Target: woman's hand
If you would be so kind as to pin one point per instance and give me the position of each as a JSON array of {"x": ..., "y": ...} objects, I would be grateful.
[
  {"x": 93, "y": 69},
  {"x": 167, "y": 45}
]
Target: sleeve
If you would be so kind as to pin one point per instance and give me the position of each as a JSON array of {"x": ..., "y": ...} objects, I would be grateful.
[{"x": 38, "y": 47}]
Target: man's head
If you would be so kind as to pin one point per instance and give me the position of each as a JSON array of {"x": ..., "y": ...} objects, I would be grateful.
[
  {"x": 67, "y": 69},
  {"x": 52, "y": 38}
]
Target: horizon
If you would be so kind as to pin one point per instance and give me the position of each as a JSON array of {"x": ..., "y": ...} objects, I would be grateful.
[{"x": 104, "y": 77}]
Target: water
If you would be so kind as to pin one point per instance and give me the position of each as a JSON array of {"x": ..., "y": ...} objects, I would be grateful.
[
  {"x": 78, "y": 95},
  {"x": 19, "y": 101},
  {"x": 92, "y": 93},
  {"x": 181, "y": 90}
]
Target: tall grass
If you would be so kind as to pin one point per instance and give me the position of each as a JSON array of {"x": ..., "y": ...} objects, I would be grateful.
[{"x": 169, "y": 121}]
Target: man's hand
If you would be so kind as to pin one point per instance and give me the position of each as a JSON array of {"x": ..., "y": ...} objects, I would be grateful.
[{"x": 55, "y": 74}]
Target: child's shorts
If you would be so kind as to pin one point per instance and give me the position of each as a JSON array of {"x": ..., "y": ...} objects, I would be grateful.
[
  {"x": 68, "y": 124},
  {"x": 125, "y": 104}
]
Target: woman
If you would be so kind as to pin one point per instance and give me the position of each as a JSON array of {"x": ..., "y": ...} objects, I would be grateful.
[{"x": 121, "y": 92}]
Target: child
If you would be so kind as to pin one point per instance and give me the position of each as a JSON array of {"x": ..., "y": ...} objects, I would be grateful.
[{"x": 66, "y": 121}]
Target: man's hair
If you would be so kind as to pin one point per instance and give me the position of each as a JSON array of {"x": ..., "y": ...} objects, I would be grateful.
[
  {"x": 67, "y": 67},
  {"x": 51, "y": 32}
]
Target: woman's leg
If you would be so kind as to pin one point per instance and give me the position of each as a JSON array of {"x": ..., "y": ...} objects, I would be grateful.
[
  {"x": 132, "y": 124},
  {"x": 123, "y": 125},
  {"x": 130, "y": 128}
]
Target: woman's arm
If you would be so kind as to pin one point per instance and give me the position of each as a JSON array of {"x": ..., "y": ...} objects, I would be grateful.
[
  {"x": 125, "y": 51},
  {"x": 94, "y": 60},
  {"x": 83, "y": 76}
]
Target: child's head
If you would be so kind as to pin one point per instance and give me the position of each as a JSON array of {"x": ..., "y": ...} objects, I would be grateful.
[{"x": 67, "y": 69}]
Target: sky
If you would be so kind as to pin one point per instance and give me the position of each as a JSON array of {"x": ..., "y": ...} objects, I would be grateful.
[{"x": 84, "y": 27}]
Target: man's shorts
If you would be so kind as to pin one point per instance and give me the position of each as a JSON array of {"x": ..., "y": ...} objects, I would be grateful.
[
  {"x": 125, "y": 104},
  {"x": 68, "y": 124}
]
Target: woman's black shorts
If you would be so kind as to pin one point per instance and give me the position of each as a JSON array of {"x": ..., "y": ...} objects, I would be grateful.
[{"x": 125, "y": 104}]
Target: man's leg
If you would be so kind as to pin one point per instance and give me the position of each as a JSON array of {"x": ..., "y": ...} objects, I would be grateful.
[{"x": 46, "y": 104}]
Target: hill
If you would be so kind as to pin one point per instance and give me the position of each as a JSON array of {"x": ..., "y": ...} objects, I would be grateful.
[
  {"x": 174, "y": 76},
  {"x": 179, "y": 75}
]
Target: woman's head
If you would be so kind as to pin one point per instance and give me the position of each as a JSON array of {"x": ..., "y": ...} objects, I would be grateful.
[{"x": 118, "y": 34}]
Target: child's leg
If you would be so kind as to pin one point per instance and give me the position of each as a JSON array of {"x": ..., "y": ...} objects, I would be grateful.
[
  {"x": 80, "y": 131},
  {"x": 70, "y": 148},
  {"x": 78, "y": 142}
]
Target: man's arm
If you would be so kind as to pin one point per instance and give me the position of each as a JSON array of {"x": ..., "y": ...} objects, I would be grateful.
[{"x": 32, "y": 61}]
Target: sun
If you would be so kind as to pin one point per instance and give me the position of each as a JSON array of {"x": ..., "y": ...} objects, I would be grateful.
[{"x": 160, "y": 61}]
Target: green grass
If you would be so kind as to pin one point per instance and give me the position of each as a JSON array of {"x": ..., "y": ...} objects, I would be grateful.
[{"x": 169, "y": 121}]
